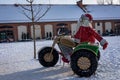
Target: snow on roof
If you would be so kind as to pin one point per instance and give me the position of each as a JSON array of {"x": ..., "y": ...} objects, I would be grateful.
[
  {"x": 64, "y": 12},
  {"x": 104, "y": 12},
  {"x": 71, "y": 12},
  {"x": 11, "y": 13}
]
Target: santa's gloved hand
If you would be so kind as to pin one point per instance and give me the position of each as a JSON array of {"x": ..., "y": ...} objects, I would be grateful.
[{"x": 104, "y": 44}]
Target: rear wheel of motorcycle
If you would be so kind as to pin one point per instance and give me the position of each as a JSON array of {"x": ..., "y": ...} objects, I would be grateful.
[
  {"x": 84, "y": 63},
  {"x": 46, "y": 59}
]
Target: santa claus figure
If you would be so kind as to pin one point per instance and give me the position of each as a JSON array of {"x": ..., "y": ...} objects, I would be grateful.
[{"x": 86, "y": 33}]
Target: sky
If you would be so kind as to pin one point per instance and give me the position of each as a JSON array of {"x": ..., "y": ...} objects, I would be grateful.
[{"x": 47, "y": 1}]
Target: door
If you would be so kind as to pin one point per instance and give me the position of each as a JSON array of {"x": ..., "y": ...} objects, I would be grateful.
[{"x": 6, "y": 36}]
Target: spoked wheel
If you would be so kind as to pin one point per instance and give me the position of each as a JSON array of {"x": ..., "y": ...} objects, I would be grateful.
[
  {"x": 46, "y": 59},
  {"x": 84, "y": 63}
]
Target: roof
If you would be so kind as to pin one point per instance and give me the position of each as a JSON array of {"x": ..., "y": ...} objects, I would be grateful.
[
  {"x": 11, "y": 13},
  {"x": 71, "y": 12},
  {"x": 104, "y": 12}
]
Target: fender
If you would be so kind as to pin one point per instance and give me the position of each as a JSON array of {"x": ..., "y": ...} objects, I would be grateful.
[{"x": 87, "y": 46}]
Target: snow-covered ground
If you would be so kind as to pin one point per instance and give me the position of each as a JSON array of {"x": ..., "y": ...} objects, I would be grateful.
[{"x": 17, "y": 63}]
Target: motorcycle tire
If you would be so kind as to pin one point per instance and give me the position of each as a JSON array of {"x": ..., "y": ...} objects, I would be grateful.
[
  {"x": 47, "y": 60},
  {"x": 84, "y": 63}
]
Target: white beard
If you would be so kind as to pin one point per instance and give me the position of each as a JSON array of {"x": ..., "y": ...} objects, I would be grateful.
[{"x": 85, "y": 23}]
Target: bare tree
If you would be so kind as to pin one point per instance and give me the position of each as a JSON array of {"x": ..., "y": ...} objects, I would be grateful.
[
  {"x": 109, "y": 1},
  {"x": 100, "y": 1},
  {"x": 34, "y": 13},
  {"x": 118, "y": 1},
  {"x": 105, "y": 1}
]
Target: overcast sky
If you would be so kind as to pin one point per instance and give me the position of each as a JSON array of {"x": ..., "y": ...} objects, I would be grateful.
[{"x": 47, "y": 1}]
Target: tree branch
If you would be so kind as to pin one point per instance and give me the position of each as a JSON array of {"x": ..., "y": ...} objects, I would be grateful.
[
  {"x": 43, "y": 14},
  {"x": 100, "y": 1},
  {"x": 109, "y": 1},
  {"x": 24, "y": 8},
  {"x": 30, "y": 1},
  {"x": 39, "y": 10},
  {"x": 26, "y": 15}
]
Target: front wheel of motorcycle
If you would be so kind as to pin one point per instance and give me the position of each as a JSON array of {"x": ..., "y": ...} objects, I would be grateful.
[{"x": 46, "y": 59}]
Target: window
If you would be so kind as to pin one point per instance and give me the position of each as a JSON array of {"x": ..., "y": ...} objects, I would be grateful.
[
  {"x": 98, "y": 24},
  {"x": 98, "y": 31}
]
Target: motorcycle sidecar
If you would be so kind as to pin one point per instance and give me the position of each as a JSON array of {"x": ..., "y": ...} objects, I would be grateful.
[{"x": 84, "y": 60}]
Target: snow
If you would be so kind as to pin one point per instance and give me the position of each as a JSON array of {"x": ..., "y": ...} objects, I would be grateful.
[
  {"x": 62, "y": 12},
  {"x": 104, "y": 12},
  {"x": 17, "y": 63}
]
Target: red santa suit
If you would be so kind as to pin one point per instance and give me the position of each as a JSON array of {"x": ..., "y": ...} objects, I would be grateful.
[{"x": 87, "y": 34}]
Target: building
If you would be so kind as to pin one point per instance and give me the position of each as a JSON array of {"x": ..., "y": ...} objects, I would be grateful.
[
  {"x": 106, "y": 17},
  {"x": 14, "y": 26}
]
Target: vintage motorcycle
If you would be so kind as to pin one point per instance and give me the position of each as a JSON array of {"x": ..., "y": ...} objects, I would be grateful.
[{"x": 84, "y": 59}]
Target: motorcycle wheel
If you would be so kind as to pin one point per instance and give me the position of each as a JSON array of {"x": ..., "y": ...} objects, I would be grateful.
[
  {"x": 84, "y": 63},
  {"x": 46, "y": 59}
]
